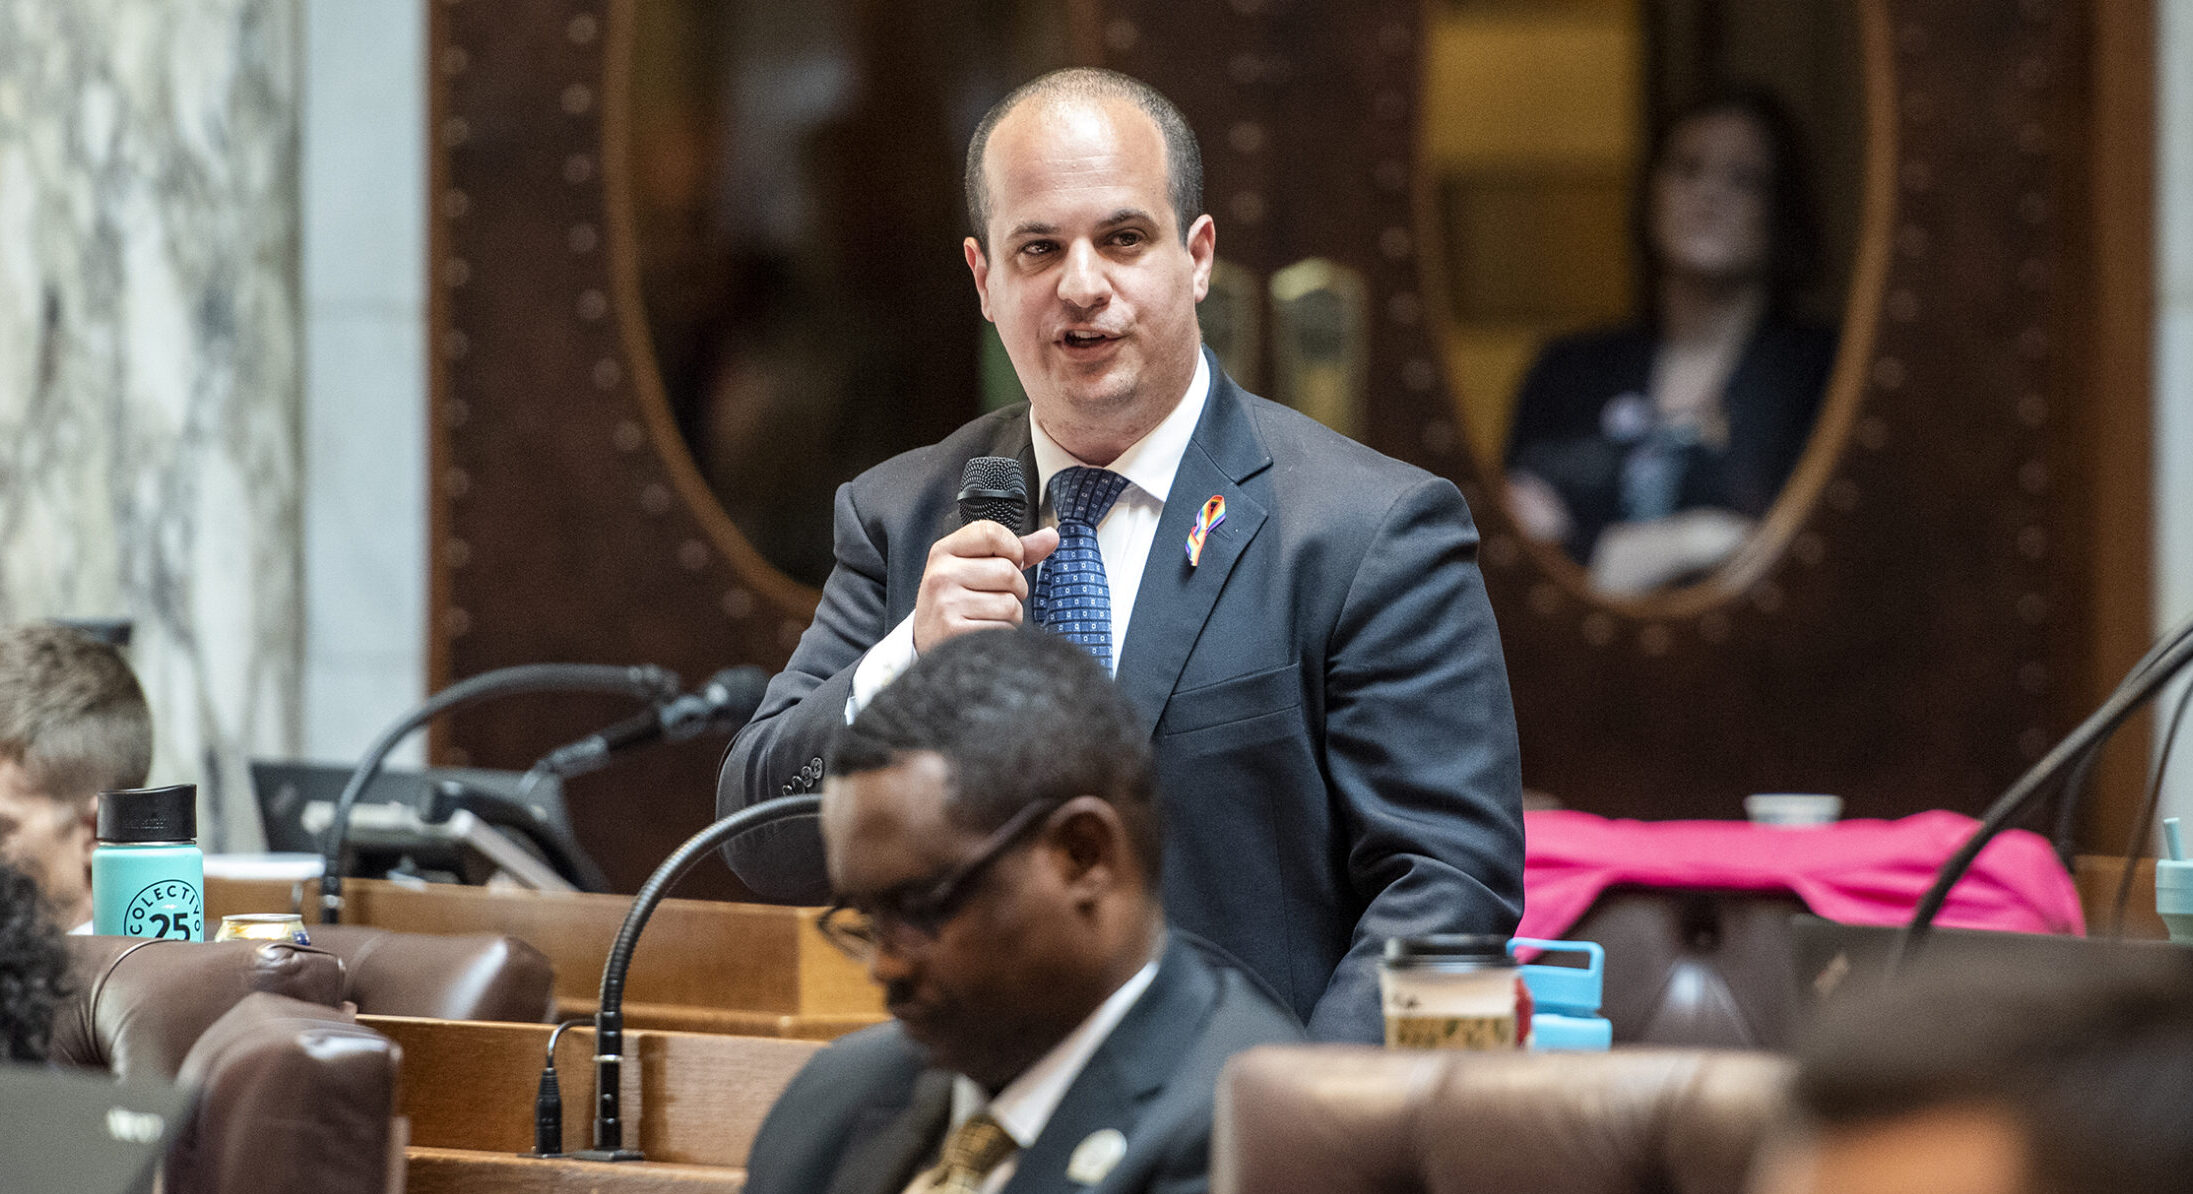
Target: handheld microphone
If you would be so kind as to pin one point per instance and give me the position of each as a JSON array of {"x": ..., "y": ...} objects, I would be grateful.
[
  {"x": 724, "y": 703},
  {"x": 994, "y": 487}
]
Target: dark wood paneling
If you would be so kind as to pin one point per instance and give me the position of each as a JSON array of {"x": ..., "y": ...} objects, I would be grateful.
[
  {"x": 1930, "y": 607},
  {"x": 568, "y": 520},
  {"x": 1907, "y": 630},
  {"x": 2114, "y": 323}
]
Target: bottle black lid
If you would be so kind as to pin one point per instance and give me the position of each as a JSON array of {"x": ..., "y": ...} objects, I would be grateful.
[
  {"x": 167, "y": 814},
  {"x": 1461, "y": 951}
]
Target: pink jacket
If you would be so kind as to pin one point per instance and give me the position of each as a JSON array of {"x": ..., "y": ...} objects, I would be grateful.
[{"x": 1859, "y": 872}]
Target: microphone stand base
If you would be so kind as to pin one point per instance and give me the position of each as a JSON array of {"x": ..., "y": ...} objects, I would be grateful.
[{"x": 610, "y": 1154}]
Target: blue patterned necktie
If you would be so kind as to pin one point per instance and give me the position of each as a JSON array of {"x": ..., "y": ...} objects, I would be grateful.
[{"x": 1072, "y": 598}]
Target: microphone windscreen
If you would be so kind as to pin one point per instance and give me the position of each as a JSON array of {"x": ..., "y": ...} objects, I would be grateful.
[
  {"x": 735, "y": 692},
  {"x": 994, "y": 487}
]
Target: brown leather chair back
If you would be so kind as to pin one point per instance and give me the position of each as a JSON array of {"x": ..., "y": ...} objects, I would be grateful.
[
  {"x": 293, "y": 1098},
  {"x": 472, "y": 976},
  {"x": 1341, "y": 1119},
  {"x": 139, "y": 1004},
  {"x": 1706, "y": 969}
]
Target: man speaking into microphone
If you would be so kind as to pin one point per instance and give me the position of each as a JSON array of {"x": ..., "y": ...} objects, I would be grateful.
[{"x": 1298, "y": 620}]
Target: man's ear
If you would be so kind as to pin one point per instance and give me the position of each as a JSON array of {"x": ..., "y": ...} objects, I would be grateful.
[
  {"x": 1091, "y": 842},
  {"x": 979, "y": 266},
  {"x": 1203, "y": 250}
]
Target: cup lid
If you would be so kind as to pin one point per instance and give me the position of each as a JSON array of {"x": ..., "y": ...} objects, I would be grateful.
[
  {"x": 168, "y": 814},
  {"x": 1449, "y": 949}
]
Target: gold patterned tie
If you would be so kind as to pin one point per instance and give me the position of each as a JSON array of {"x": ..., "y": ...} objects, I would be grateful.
[{"x": 970, "y": 1153}]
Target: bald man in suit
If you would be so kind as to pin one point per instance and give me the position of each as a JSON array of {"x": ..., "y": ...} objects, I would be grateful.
[{"x": 1298, "y": 620}]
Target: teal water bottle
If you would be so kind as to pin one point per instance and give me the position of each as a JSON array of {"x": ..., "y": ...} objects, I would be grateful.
[
  {"x": 1565, "y": 999},
  {"x": 147, "y": 877}
]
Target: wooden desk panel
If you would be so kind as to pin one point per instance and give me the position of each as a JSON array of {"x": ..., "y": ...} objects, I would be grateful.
[
  {"x": 2098, "y": 876},
  {"x": 688, "y": 1098},
  {"x": 456, "y": 1171},
  {"x": 701, "y": 965}
]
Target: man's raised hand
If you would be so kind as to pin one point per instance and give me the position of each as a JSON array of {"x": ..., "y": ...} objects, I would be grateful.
[{"x": 973, "y": 581}]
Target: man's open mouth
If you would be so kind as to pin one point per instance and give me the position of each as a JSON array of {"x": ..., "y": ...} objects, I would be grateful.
[{"x": 1085, "y": 339}]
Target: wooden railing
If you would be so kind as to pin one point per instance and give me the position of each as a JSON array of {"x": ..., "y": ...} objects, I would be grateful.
[{"x": 702, "y": 966}]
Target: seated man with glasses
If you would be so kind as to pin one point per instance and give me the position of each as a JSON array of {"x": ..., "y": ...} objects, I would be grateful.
[{"x": 991, "y": 829}]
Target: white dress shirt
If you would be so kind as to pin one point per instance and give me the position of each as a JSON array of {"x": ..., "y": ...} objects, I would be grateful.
[
  {"x": 1026, "y": 1103},
  {"x": 1123, "y": 537}
]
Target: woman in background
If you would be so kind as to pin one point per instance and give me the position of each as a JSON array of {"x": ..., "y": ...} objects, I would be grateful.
[{"x": 1650, "y": 451}]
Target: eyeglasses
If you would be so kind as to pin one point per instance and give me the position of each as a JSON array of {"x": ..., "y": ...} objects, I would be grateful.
[{"x": 912, "y": 921}]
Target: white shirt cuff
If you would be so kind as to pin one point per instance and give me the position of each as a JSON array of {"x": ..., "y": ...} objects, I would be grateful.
[{"x": 883, "y": 663}]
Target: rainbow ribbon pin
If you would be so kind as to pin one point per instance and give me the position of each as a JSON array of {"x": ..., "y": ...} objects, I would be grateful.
[{"x": 1214, "y": 512}]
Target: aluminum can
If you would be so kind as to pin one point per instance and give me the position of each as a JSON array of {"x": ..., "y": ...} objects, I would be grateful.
[{"x": 263, "y": 926}]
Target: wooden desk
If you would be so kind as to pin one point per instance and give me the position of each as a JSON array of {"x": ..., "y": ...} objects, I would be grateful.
[
  {"x": 702, "y": 965},
  {"x": 692, "y": 1104},
  {"x": 688, "y": 1097},
  {"x": 453, "y": 1171},
  {"x": 2097, "y": 876}
]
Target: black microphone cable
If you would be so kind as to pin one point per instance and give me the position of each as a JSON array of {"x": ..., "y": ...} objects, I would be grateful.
[
  {"x": 548, "y": 1101},
  {"x": 2136, "y": 840},
  {"x": 2074, "y": 788},
  {"x": 2169, "y": 656}
]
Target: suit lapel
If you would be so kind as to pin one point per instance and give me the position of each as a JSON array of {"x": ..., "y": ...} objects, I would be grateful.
[
  {"x": 1176, "y": 598},
  {"x": 887, "y": 1149},
  {"x": 1099, "y": 1099},
  {"x": 1126, "y": 1071}
]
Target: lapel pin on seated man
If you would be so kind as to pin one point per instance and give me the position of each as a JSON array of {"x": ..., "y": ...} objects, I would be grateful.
[{"x": 991, "y": 830}]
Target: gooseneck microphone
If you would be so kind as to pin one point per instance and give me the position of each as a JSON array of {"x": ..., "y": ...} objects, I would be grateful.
[
  {"x": 647, "y": 682},
  {"x": 724, "y": 703},
  {"x": 994, "y": 487},
  {"x": 2169, "y": 655},
  {"x": 609, "y": 1015}
]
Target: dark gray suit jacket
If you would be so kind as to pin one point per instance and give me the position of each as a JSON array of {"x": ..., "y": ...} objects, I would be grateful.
[
  {"x": 1326, "y": 698},
  {"x": 867, "y": 1113}
]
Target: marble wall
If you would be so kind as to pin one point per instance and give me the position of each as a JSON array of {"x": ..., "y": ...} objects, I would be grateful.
[
  {"x": 363, "y": 198},
  {"x": 2173, "y": 460},
  {"x": 150, "y": 359}
]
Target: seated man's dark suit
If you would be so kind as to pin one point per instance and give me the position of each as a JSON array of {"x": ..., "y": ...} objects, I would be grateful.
[
  {"x": 867, "y": 1114},
  {"x": 1328, "y": 706}
]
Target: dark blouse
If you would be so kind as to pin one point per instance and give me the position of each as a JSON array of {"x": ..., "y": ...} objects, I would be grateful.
[{"x": 1583, "y": 413}]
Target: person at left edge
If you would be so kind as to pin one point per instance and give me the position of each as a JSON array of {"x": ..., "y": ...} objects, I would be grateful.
[
  {"x": 73, "y": 724},
  {"x": 990, "y": 824}
]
